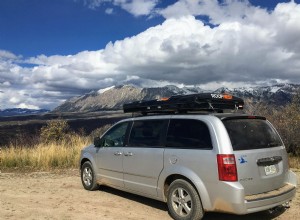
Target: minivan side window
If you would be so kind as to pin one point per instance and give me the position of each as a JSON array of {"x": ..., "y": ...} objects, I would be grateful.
[
  {"x": 188, "y": 134},
  {"x": 147, "y": 133},
  {"x": 115, "y": 136}
]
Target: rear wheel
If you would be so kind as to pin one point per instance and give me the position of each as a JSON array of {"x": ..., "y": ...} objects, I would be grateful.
[
  {"x": 88, "y": 177},
  {"x": 183, "y": 201}
]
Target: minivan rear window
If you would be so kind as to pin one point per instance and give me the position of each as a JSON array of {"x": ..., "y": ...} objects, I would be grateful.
[{"x": 247, "y": 134}]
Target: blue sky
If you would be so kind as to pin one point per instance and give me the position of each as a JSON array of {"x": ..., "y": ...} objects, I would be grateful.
[
  {"x": 50, "y": 27},
  {"x": 51, "y": 50}
]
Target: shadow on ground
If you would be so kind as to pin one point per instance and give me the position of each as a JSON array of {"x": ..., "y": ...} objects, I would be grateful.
[{"x": 265, "y": 215}]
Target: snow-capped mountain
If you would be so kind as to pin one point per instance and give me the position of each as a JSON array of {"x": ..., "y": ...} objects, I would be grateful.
[
  {"x": 21, "y": 111},
  {"x": 278, "y": 95},
  {"x": 113, "y": 98}
]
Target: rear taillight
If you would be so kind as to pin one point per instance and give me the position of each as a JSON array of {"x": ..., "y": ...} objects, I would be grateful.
[{"x": 227, "y": 167}]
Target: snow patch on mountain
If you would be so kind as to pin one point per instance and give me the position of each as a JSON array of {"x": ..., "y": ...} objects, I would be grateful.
[{"x": 100, "y": 91}]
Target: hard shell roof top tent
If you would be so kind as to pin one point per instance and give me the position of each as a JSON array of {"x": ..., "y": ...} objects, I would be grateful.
[{"x": 180, "y": 104}]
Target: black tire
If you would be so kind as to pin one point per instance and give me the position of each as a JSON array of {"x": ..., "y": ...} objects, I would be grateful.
[
  {"x": 88, "y": 177},
  {"x": 183, "y": 201}
]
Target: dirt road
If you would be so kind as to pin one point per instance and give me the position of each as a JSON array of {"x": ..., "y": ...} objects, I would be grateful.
[{"x": 60, "y": 196}]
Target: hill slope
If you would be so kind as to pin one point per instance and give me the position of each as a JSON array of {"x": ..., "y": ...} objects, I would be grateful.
[{"x": 113, "y": 98}]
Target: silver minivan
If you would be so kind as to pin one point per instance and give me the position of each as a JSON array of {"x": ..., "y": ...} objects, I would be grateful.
[{"x": 196, "y": 163}]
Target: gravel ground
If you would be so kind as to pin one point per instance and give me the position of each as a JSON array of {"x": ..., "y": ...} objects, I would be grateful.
[{"x": 59, "y": 195}]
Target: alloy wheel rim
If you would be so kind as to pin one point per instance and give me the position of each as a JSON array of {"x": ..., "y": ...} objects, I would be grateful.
[
  {"x": 87, "y": 176},
  {"x": 181, "y": 202}
]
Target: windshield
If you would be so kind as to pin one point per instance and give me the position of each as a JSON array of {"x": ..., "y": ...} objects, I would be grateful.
[{"x": 247, "y": 134}]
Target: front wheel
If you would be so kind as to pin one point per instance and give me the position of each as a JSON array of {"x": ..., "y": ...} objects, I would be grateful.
[
  {"x": 183, "y": 201},
  {"x": 88, "y": 177}
]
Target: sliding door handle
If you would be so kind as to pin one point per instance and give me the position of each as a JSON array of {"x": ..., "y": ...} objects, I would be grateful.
[{"x": 118, "y": 153}]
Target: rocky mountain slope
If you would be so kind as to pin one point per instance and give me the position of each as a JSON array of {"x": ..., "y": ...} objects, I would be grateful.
[{"x": 114, "y": 97}]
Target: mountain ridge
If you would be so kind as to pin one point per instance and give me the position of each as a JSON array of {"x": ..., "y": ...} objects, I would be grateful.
[
  {"x": 21, "y": 111},
  {"x": 114, "y": 97}
]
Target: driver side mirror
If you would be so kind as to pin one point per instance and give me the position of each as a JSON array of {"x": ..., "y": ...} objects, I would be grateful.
[{"x": 98, "y": 142}]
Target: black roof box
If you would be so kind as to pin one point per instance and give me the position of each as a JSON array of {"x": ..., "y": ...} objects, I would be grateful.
[{"x": 212, "y": 102}]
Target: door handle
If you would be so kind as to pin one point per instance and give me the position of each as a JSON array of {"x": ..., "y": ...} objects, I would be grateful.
[
  {"x": 128, "y": 154},
  {"x": 118, "y": 153}
]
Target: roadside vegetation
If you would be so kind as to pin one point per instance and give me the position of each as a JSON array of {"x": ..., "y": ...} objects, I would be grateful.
[
  {"x": 57, "y": 146},
  {"x": 287, "y": 122},
  {"x": 43, "y": 156}
]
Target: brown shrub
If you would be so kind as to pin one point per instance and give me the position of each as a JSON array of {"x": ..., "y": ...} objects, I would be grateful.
[
  {"x": 54, "y": 131},
  {"x": 99, "y": 131},
  {"x": 285, "y": 119}
]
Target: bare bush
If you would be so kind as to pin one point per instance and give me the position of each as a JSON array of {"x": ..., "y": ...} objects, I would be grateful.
[
  {"x": 100, "y": 131},
  {"x": 288, "y": 124},
  {"x": 54, "y": 131},
  {"x": 23, "y": 139},
  {"x": 285, "y": 119}
]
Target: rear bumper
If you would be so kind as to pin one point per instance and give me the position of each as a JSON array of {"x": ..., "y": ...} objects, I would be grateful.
[
  {"x": 264, "y": 201},
  {"x": 234, "y": 201}
]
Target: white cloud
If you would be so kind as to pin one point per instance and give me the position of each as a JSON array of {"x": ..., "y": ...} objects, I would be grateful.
[
  {"x": 93, "y": 4},
  {"x": 14, "y": 100},
  {"x": 109, "y": 11},
  {"x": 134, "y": 7},
  {"x": 5, "y": 84},
  {"x": 137, "y": 7},
  {"x": 248, "y": 46},
  {"x": 6, "y": 55},
  {"x": 21, "y": 96},
  {"x": 228, "y": 10},
  {"x": 24, "y": 105}
]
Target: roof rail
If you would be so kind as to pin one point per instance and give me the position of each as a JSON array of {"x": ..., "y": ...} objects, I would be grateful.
[{"x": 209, "y": 102}]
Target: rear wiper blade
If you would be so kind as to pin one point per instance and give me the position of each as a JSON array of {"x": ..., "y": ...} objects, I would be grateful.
[{"x": 273, "y": 144}]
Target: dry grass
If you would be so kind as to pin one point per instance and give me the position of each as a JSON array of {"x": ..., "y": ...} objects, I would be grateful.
[
  {"x": 44, "y": 156},
  {"x": 57, "y": 155},
  {"x": 56, "y": 148},
  {"x": 294, "y": 162}
]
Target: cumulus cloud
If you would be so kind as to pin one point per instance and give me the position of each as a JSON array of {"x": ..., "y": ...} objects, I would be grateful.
[
  {"x": 6, "y": 55},
  {"x": 242, "y": 45},
  {"x": 21, "y": 97},
  {"x": 247, "y": 48},
  {"x": 227, "y": 10}
]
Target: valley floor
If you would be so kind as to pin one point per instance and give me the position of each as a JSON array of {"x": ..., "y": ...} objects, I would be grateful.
[{"x": 59, "y": 195}]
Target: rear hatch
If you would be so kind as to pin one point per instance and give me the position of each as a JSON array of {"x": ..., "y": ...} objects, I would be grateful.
[{"x": 260, "y": 155}]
